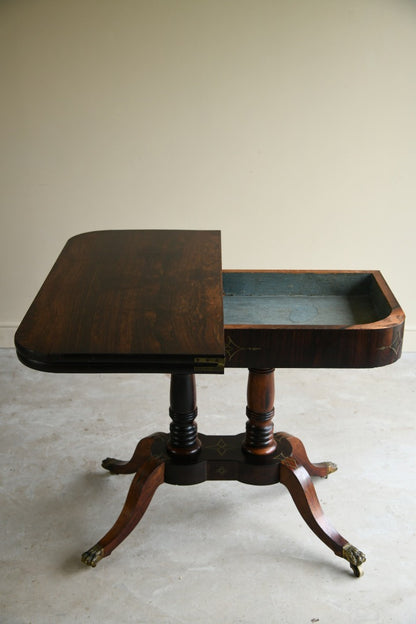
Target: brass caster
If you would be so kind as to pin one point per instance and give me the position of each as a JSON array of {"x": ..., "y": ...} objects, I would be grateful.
[
  {"x": 331, "y": 467},
  {"x": 355, "y": 558},
  {"x": 109, "y": 464},
  {"x": 357, "y": 570},
  {"x": 92, "y": 556}
]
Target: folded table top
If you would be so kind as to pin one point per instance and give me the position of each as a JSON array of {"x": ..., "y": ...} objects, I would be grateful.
[{"x": 129, "y": 300}]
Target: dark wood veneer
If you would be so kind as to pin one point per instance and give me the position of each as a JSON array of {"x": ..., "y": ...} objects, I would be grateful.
[{"x": 129, "y": 300}]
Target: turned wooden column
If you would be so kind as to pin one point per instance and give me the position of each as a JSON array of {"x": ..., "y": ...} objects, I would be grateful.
[
  {"x": 260, "y": 411},
  {"x": 183, "y": 411}
]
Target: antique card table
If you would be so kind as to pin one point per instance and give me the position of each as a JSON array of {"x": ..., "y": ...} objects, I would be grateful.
[{"x": 158, "y": 301}]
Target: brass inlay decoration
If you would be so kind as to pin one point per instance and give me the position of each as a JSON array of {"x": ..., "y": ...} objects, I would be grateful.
[
  {"x": 208, "y": 364},
  {"x": 280, "y": 456},
  {"x": 231, "y": 349},
  {"x": 221, "y": 447},
  {"x": 290, "y": 462},
  {"x": 394, "y": 346}
]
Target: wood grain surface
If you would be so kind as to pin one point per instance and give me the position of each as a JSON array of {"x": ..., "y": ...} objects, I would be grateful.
[{"x": 145, "y": 300}]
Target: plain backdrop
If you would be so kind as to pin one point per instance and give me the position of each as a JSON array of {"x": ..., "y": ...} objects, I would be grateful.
[{"x": 289, "y": 125}]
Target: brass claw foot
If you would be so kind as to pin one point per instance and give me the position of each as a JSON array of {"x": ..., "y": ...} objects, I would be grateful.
[
  {"x": 92, "y": 556},
  {"x": 355, "y": 558}
]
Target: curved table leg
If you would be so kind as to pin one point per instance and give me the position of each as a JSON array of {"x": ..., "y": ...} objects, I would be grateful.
[
  {"x": 321, "y": 469},
  {"x": 145, "y": 482},
  {"x": 298, "y": 482},
  {"x": 141, "y": 453}
]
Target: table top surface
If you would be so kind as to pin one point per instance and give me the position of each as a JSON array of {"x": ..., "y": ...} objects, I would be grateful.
[
  {"x": 145, "y": 300},
  {"x": 159, "y": 301}
]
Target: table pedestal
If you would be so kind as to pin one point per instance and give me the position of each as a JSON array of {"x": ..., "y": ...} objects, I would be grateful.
[{"x": 259, "y": 457}]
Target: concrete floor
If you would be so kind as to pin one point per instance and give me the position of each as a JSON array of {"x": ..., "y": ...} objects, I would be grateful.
[{"x": 216, "y": 552}]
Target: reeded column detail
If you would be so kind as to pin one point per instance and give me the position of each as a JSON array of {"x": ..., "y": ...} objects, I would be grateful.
[{"x": 260, "y": 411}]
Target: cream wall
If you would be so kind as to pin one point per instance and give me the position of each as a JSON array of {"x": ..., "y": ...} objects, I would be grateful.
[{"x": 288, "y": 124}]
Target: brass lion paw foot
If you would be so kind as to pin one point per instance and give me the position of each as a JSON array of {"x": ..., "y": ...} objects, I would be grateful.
[
  {"x": 92, "y": 556},
  {"x": 355, "y": 558}
]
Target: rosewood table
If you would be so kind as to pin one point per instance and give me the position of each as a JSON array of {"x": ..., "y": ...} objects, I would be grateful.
[{"x": 158, "y": 301}]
